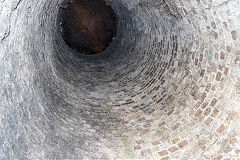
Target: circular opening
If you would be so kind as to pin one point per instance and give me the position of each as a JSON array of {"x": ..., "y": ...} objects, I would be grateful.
[{"x": 87, "y": 26}]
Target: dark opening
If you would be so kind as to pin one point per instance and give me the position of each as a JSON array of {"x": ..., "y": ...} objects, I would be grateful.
[{"x": 87, "y": 26}]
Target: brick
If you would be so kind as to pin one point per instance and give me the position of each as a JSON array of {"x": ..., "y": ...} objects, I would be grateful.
[
  {"x": 215, "y": 35},
  {"x": 208, "y": 121},
  {"x": 203, "y": 96},
  {"x": 196, "y": 61},
  {"x": 233, "y": 141},
  {"x": 155, "y": 143},
  {"x": 229, "y": 118},
  {"x": 222, "y": 55},
  {"x": 157, "y": 148},
  {"x": 207, "y": 88},
  {"x": 166, "y": 158},
  {"x": 158, "y": 2},
  {"x": 202, "y": 145},
  {"x": 193, "y": 11},
  {"x": 226, "y": 71},
  {"x": 201, "y": 57},
  {"x": 175, "y": 140},
  {"x": 225, "y": 25},
  {"x": 196, "y": 95},
  {"x": 214, "y": 113},
  {"x": 207, "y": 111},
  {"x": 202, "y": 72},
  {"x": 163, "y": 153},
  {"x": 198, "y": 113},
  {"x": 176, "y": 126},
  {"x": 137, "y": 147},
  {"x": 139, "y": 141},
  {"x": 234, "y": 35},
  {"x": 170, "y": 112},
  {"x": 173, "y": 149},
  {"x": 218, "y": 157},
  {"x": 221, "y": 129},
  {"x": 197, "y": 104},
  {"x": 145, "y": 131},
  {"x": 218, "y": 76},
  {"x": 213, "y": 25},
  {"x": 237, "y": 151},
  {"x": 204, "y": 105},
  {"x": 201, "y": 118},
  {"x": 213, "y": 102},
  {"x": 182, "y": 144},
  {"x": 238, "y": 56},
  {"x": 213, "y": 88},
  {"x": 146, "y": 152},
  {"x": 185, "y": 11},
  {"x": 228, "y": 48},
  {"x": 161, "y": 124}
]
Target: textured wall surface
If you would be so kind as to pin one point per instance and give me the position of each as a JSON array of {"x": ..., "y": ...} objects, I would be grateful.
[{"x": 168, "y": 86}]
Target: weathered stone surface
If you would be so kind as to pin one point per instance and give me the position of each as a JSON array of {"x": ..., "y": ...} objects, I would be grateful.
[{"x": 167, "y": 86}]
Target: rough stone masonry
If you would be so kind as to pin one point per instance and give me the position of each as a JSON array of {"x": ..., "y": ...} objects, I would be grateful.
[{"x": 168, "y": 87}]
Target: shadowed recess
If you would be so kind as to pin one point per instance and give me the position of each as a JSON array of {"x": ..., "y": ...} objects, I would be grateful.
[{"x": 87, "y": 26}]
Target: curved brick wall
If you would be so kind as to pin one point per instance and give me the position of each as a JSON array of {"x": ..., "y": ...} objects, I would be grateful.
[{"x": 168, "y": 86}]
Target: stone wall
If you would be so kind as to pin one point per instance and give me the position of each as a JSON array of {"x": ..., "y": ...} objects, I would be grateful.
[{"x": 168, "y": 87}]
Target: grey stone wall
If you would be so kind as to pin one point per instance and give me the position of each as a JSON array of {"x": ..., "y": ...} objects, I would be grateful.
[{"x": 168, "y": 86}]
